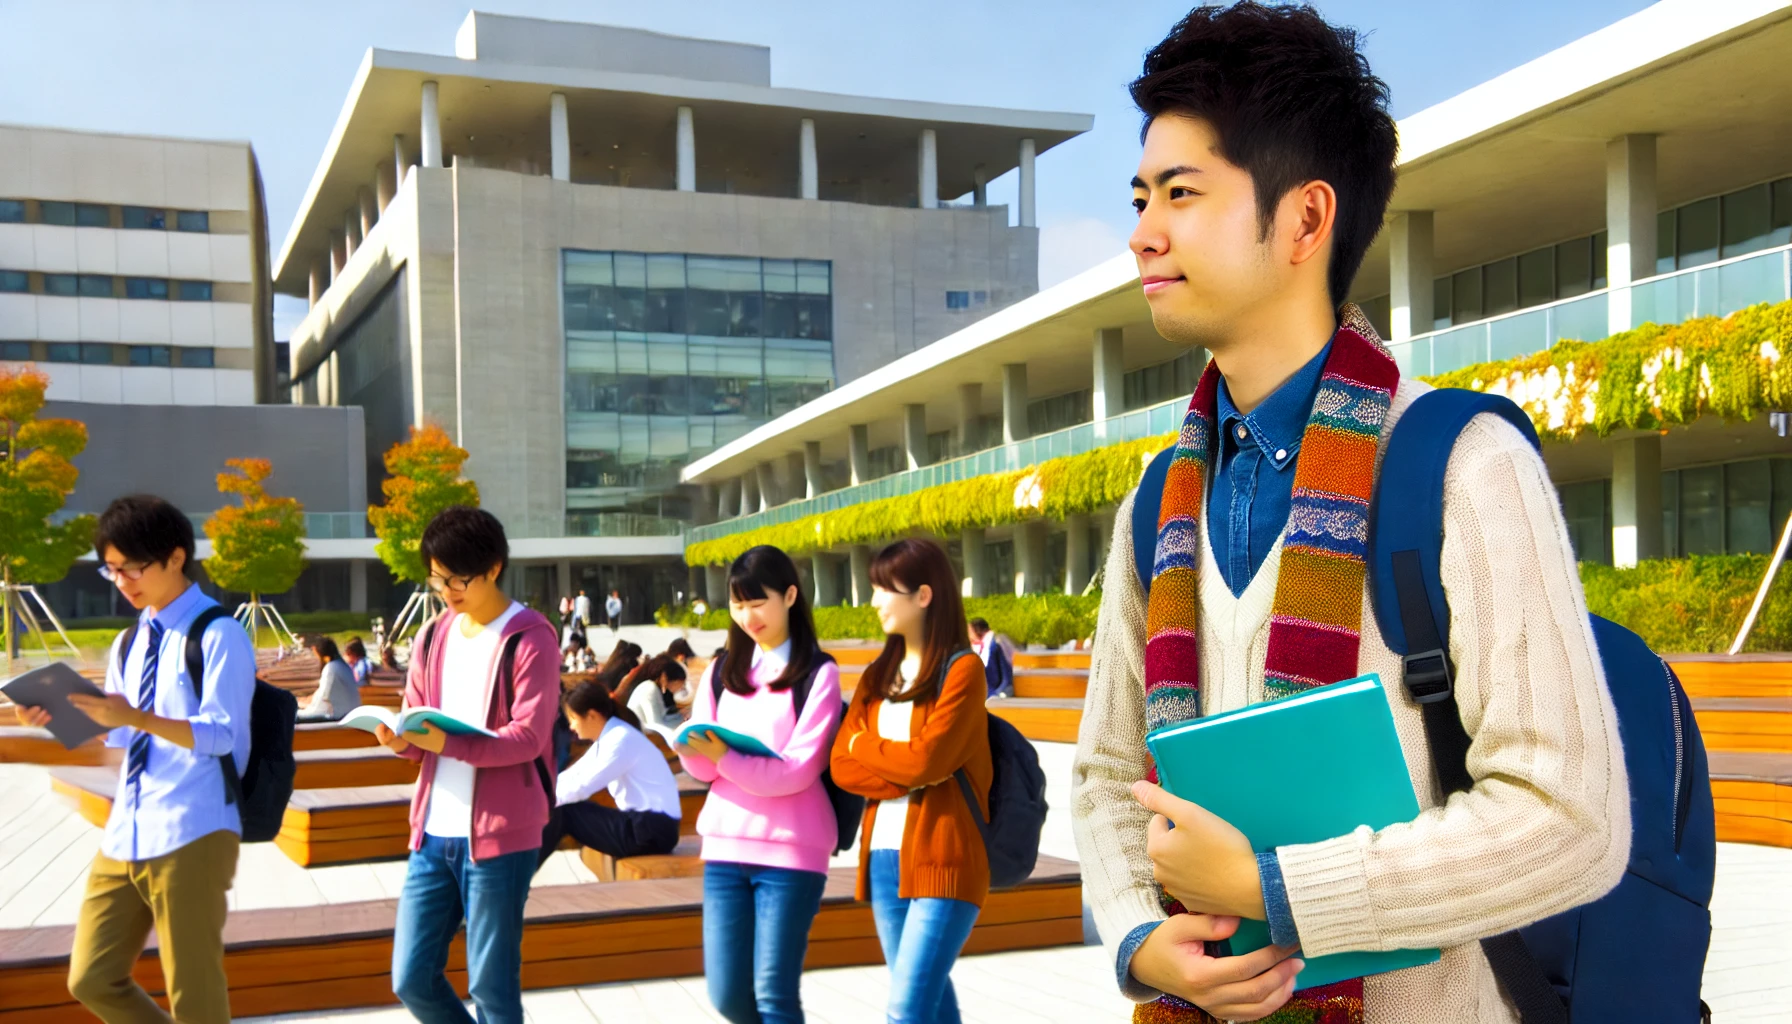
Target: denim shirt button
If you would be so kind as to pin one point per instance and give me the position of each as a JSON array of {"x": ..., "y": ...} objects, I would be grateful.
[
  {"x": 1240, "y": 431},
  {"x": 1281, "y": 453}
]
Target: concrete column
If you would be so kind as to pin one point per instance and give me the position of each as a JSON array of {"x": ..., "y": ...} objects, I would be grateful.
[
  {"x": 812, "y": 474},
  {"x": 400, "y": 163},
  {"x": 703, "y": 510},
  {"x": 821, "y": 570},
  {"x": 768, "y": 486},
  {"x": 980, "y": 187},
  {"x": 715, "y": 585},
  {"x": 318, "y": 284},
  {"x": 1410, "y": 274},
  {"x": 1014, "y": 402},
  {"x": 970, "y": 410},
  {"x": 1027, "y": 218},
  {"x": 976, "y": 563},
  {"x": 1629, "y": 224},
  {"x": 1029, "y": 558},
  {"x": 1076, "y": 554},
  {"x": 860, "y": 557},
  {"x": 562, "y": 580},
  {"x": 914, "y": 435},
  {"x": 859, "y": 453},
  {"x": 357, "y": 585},
  {"x": 687, "y": 151},
  {"x": 1636, "y": 499},
  {"x": 928, "y": 170},
  {"x": 351, "y": 233},
  {"x": 728, "y": 503},
  {"x": 808, "y": 171},
  {"x": 559, "y": 138},
  {"x": 370, "y": 213},
  {"x": 385, "y": 184},
  {"x": 432, "y": 128},
  {"x": 796, "y": 477},
  {"x": 749, "y": 493},
  {"x": 338, "y": 256},
  {"x": 1109, "y": 392}
]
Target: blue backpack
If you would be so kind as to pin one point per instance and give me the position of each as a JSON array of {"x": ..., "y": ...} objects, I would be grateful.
[{"x": 1638, "y": 953}]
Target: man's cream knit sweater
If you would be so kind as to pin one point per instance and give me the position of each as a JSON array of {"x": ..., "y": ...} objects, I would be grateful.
[{"x": 1546, "y": 826}]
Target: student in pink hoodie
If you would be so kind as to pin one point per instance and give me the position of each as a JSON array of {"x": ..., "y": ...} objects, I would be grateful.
[
  {"x": 767, "y": 825},
  {"x": 481, "y": 801}
]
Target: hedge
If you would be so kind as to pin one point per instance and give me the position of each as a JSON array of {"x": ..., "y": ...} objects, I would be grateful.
[
  {"x": 1067, "y": 485},
  {"x": 1650, "y": 377},
  {"x": 1693, "y": 604},
  {"x": 1049, "y": 619}
]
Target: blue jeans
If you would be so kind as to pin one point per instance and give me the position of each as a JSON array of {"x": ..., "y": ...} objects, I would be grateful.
[
  {"x": 921, "y": 939},
  {"x": 442, "y": 883},
  {"x": 755, "y": 931}
]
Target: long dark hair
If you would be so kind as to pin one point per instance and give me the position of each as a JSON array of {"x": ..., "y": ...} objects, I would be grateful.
[
  {"x": 761, "y": 571},
  {"x": 644, "y": 672},
  {"x": 905, "y": 567},
  {"x": 325, "y": 648},
  {"x": 585, "y": 698},
  {"x": 680, "y": 648}
]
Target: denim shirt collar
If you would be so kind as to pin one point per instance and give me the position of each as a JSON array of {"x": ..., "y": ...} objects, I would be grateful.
[{"x": 1278, "y": 423}]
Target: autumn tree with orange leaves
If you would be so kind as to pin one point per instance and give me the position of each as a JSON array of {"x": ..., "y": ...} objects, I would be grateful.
[
  {"x": 423, "y": 478},
  {"x": 258, "y": 546},
  {"x": 36, "y": 477}
]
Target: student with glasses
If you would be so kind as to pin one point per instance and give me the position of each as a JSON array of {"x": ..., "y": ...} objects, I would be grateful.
[{"x": 169, "y": 853}]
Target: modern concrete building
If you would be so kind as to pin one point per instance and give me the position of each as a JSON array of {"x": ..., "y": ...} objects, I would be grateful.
[
  {"x": 593, "y": 254},
  {"x": 134, "y": 269},
  {"x": 1641, "y": 173}
]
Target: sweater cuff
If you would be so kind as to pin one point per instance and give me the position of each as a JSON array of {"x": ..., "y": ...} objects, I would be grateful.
[
  {"x": 1282, "y": 931},
  {"x": 1131, "y": 987},
  {"x": 1328, "y": 894}
]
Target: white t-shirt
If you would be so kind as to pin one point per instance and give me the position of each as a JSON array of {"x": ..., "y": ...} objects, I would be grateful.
[
  {"x": 650, "y": 707},
  {"x": 894, "y": 720},
  {"x": 628, "y": 765},
  {"x": 467, "y": 664}
]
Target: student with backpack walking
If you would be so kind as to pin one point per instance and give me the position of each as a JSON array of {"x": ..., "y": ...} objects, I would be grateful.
[
  {"x": 169, "y": 853},
  {"x": 917, "y": 722},
  {"x": 481, "y": 801},
  {"x": 1267, "y": 168},
  {"x": 624, "y": 762},
  {"x": 768, "y": 824}
]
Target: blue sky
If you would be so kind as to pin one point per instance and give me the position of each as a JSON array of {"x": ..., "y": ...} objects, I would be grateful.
[{"x": 276, "y": 74}]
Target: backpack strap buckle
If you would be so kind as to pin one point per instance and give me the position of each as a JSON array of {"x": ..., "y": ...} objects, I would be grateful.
[{"x": 1428, "y": 677}]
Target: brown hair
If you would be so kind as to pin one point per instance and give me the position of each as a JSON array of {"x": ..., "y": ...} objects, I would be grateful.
[
  {"x": 905, "y": 567},
  {"x": 585, "y": 698}
]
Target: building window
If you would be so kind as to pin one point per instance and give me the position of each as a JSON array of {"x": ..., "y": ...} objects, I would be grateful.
[
  {"x": 1150, "y": 385},
  {"x": 15, "y": 351},
  {"x": 192, "y": 220},
  {"x": 62, "y": 352},
  {"x": 966, "y": 299},
  {"x": 144, "y": 218},
  {"x": 193, "y": 291},
  {"x": 92, "y": 215},
  {"x": 14, "y": 281},
  {"x": 96, "y": 286},
  {"x": 59, "y": 284},
  {"x": 50, "y": 212},
  {"x": 95, "y": 354},
  {"x": 150, "y": 355},
  {"x": 145, "y": 288},
  {"x": 1587, "y": 509},
  {"x": 12, "y": 211},
  {"x": 196, "y": 358},
  {"x": 1058, "y": 412}
]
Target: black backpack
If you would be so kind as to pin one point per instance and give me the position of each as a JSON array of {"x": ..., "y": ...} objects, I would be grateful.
[
  {"x": 262, "y": 789},
  {"x": 849, "y": 808},
  {"x": 1016, "y": 801}
]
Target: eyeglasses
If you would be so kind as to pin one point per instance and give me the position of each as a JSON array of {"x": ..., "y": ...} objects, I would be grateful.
[
  {"x": 458, "y": 584},
  {"x": 123, "y": 572}
]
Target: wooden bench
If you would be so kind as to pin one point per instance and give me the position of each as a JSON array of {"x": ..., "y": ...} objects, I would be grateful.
[
  {"x": 1052, "y": 719},
  {"x": 1071, "y": 683},
  {"x": 682, "y": 862},
  {"x": 1752, "y": 795},
  {"x": 1734, "y": 675},
  {"x": 24, "y": 744},
  {"x": 330, "y": 736},
  {"x": 351, "y": 766},
  {"x": 339, "y": 956},
  {"x": 1745, "y": 723}
]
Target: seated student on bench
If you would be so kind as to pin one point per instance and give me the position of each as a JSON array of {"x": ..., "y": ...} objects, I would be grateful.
[{"x": 622, "y": 760}]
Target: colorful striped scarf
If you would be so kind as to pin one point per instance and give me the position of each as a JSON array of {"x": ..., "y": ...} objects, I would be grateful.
[{"x": 1317, "y": 617}]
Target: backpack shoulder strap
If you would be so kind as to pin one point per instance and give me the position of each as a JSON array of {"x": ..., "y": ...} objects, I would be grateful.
[
  {"x": 715, "y": 682},
  {"x": 125, "y": 640},
  {"x": 507, "y": 691},
  {"x": 1406, "y": 534},
  {"x": 196, "y": 650},
  {"x": 1145, "y": 507},
  {"x": 799, "y": 695}
]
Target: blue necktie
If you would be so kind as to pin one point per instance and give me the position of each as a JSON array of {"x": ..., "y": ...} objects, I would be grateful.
[{"x": 138, "y": 761}]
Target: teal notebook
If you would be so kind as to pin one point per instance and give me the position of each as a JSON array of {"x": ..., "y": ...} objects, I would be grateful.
[
  {"x": 738, "y": 741},
  {"x": 1298, "y": 770}
]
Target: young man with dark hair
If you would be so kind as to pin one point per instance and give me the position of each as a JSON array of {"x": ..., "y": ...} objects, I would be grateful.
[
  {"x": 998, "y": 671},
  {"x": 1268, "y": 165},
  {"x": 169, "y": 853},
  {"x": 481, "y": 801}
]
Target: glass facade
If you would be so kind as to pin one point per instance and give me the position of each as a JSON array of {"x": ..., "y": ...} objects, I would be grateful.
[
  {"x": 1728, "y": 508},
  {"x": 669, "y": 356}
]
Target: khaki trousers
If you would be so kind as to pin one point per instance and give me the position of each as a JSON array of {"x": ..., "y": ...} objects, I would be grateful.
[{"x": 181, "y": 895}]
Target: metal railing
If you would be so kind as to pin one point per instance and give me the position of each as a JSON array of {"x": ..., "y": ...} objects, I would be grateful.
[
  {"x": 1715, "y": 289},
  {"x": 621, "y": 524},
  {"x": 1157, "y": 419}
]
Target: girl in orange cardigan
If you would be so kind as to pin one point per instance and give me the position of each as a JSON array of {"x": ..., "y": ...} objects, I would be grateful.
[{"x": 916, "y": 718}]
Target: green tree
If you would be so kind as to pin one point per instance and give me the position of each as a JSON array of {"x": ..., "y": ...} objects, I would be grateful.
[
  {"x": 422, "y": 478},
  {"x": 258, "y": 546},
  {"x": 36, "y": 477}
]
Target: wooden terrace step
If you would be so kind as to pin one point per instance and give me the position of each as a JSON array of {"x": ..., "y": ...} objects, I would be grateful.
[
  {"x": 1734, "y": 675},
  {"x": 1752, "y": 795},
  {"x": 682, "y": 862},
  {"x": 1745, "y": 723}
]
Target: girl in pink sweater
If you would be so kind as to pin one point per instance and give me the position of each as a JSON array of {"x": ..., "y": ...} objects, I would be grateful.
[{"x": 767, "y": 825}]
